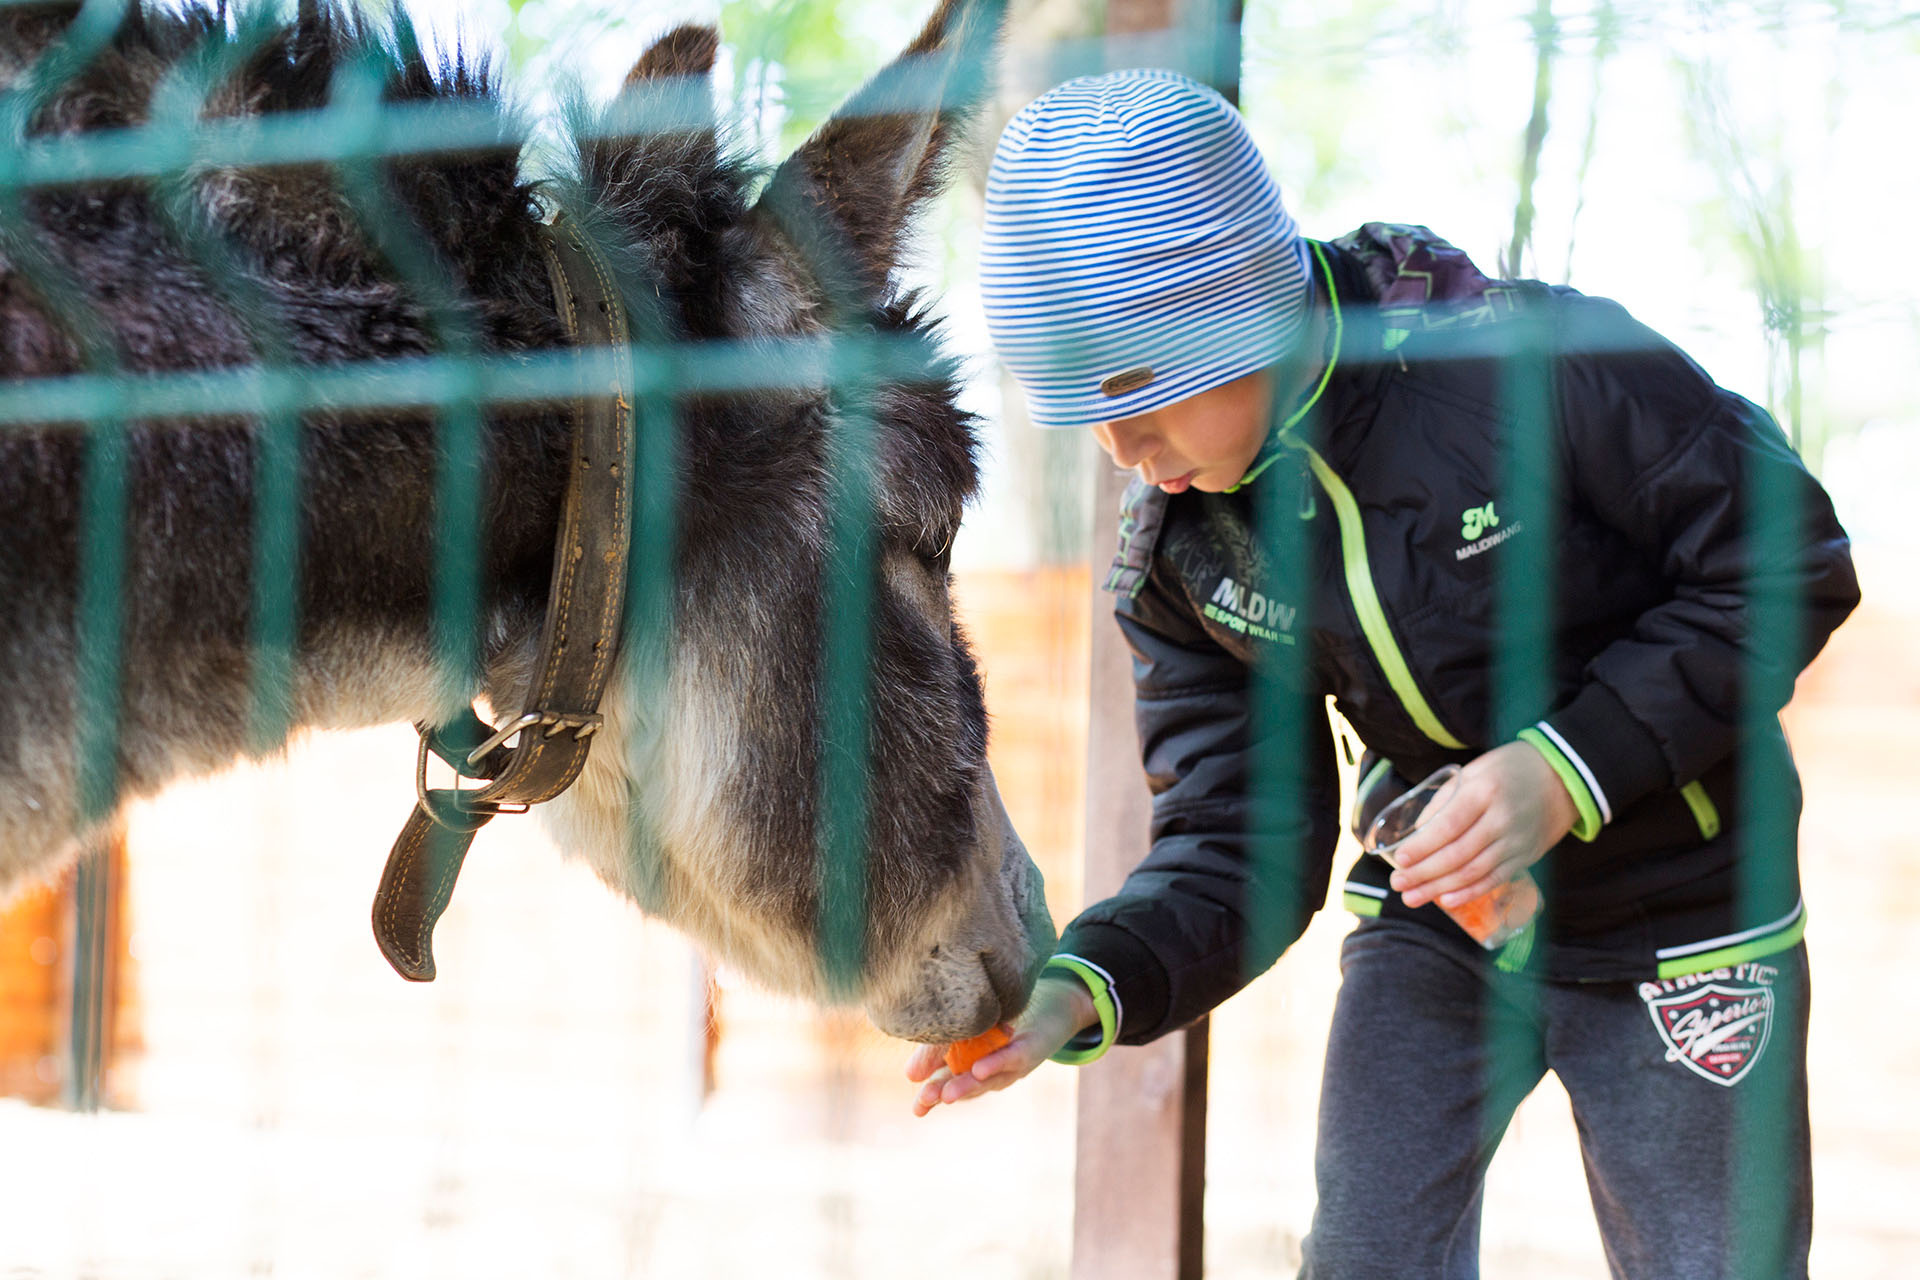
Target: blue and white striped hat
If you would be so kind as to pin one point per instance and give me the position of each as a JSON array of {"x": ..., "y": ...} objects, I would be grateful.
[{"x": 1135, "y": 251}]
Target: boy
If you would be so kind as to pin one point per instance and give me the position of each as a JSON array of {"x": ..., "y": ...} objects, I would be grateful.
[{"x": 1142, "y": 279}]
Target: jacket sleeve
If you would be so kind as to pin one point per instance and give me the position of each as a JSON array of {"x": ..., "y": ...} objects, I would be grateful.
[
  {"x": 1180, "y": 936},
  {"x": 1668, "y": 459}
]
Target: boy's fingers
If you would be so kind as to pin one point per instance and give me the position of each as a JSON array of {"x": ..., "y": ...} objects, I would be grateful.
[
  {"x": 1444, "y": 859},
  {"x": 1475, "y": 871},
  {"x": 1437, "y": 832},
  {"x": 929, "y": 1096},
  {"x": 1489, "y": 868},
  {"x": 1010, "y": 1056},
  {"x": 1486, "y": 884},
  {"x": 960, "y": 1088},
  {"x": 925, "y": 1060}
]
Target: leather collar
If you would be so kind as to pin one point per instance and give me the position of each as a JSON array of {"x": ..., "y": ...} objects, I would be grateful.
[{"x": 537, "y": 754}]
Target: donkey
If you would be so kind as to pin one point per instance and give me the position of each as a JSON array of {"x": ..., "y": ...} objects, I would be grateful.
[{"x": 716, "y": 760}]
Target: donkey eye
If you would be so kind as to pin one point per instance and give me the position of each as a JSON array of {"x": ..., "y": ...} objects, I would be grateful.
[{"x": 936, "y": 558}]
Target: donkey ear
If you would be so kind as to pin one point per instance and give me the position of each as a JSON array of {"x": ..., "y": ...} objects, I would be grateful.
[
  {"x": 683, "y": 51},
  {"x": 846, "y": 196},
  {"x": 654, "y": 156}
]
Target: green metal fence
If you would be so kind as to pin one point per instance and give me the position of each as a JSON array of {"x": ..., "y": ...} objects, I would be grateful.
[{"x": 358, "y": 131}]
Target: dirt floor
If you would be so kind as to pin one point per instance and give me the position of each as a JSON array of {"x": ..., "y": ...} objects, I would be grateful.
[{"x": 301, "y": 1112}]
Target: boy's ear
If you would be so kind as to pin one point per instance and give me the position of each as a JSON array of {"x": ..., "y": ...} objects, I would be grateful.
[{"x": 845, "y": 197}]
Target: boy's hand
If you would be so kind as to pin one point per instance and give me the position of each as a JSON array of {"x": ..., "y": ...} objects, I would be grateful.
[
  {"x": 1060, "y": 1009},
  {"x": 1497, "y": 817}
]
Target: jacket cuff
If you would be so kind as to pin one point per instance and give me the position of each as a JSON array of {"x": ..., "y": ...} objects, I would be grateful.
[
  {"x": 1091, "y": 1044},
  {"x": 1616, "y": 758},
  {"x": 1138, "y": 979},
  {"x": 1588, "y": 818}
]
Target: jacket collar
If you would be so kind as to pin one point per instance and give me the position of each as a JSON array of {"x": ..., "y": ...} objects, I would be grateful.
[{"x": 1351, "y": 372}]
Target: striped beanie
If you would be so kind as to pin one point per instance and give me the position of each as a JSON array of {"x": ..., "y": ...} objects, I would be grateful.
[{"x": 1135, "y": 251}]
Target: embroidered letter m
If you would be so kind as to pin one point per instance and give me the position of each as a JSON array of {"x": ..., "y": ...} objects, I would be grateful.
[{"x": 1475, "y": 521}]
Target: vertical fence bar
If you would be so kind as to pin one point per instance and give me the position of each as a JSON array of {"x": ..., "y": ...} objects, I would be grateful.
[
  {"x": 1762, "y": 1149},
  {"x": 1527, "y": 494},
  {"x": 845, "y": 660},
  {"x": 100, "y": 528},
  {"x": 649, "y": 633},
  {"x": 356, "y": 97},
  {"x": 92, "y": 974},
  {"x": 273, "y": 620}
]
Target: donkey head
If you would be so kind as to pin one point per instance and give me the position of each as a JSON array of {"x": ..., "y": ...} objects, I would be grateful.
[
  {"x": 704, "y": 799},
  {"x": 703, "y": 796}
]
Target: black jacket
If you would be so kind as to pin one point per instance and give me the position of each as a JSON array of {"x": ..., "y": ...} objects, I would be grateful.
[{"x": 1399, "y": 537}]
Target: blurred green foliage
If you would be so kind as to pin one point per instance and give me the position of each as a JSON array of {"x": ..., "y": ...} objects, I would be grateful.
[
  {"x": 1514, "y": 126},
  {"x": 794, "y": 60}
]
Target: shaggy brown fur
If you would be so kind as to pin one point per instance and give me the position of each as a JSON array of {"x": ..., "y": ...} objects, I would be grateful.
[{"x": 312, "y": 265}]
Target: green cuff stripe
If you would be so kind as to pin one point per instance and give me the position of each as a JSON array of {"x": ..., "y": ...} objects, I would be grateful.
[
  {"x": 1587, "y": 826},
  {"x": 1704, "y": 811},
  {"x": 1726, "y": 957},
  {"x": 1103, "y": 1004},
  {"x": 1360, "y": 904}
]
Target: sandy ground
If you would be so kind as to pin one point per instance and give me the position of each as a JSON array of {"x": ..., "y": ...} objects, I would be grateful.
[{"x": 299, "y": 1111}]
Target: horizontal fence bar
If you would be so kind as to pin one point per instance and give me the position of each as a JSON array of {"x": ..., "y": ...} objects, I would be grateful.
[
  {"x": 706, "y": 366},
  {"x": 711, "y": 367},
  {"x": 387, "y": 130},
  {"x": 399, "y": 130}
]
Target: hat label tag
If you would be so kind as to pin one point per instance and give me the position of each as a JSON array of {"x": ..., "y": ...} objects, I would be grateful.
[{"x": 1132, "y": 380}]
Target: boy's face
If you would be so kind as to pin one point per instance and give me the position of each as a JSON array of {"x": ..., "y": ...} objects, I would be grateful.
[{"x": 1204, "y": 442}]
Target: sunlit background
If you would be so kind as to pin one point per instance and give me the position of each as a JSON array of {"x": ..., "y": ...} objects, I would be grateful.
[{"x": 579, "y": 1096}]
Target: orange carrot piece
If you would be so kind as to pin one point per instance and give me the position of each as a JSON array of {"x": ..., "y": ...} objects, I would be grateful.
[
  {"x": 1482, "y": 917},
  {"x": 962, "y": 1056},
  {"x": 1478, "y": 916}
]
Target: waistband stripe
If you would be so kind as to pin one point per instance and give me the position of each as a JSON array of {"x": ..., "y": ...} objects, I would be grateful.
[{"x": 1733, "y": 939}]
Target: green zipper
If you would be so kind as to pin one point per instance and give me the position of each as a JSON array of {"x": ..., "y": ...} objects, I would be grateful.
[
  {"x": 1366, "y": 601},
  {"x": 1353, "y": 542},
  {"x": 1326, "y": 375},
  {"x": 1705, "y": 813}
]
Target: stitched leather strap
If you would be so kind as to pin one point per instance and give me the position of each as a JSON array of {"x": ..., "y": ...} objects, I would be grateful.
[{"x": 577, "y": 646}]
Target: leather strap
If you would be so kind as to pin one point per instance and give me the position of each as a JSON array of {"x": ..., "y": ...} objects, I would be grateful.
[{"x": 554, "y": 733}]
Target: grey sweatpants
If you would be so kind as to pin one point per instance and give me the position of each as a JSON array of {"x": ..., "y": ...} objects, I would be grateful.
[{"x": 1690, "y": 1099}]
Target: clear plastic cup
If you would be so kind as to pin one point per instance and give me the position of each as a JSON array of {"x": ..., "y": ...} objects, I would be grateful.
[{"x": 1493, "y": 918}]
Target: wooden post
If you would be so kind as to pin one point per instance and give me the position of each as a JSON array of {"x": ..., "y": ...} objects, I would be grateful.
[
  {"x": 1141, "y": 1133},
  {"x": 65, "y": 995},
  {"x": 1140, "y": 1148},
  {"x": 92, "y": 972}
]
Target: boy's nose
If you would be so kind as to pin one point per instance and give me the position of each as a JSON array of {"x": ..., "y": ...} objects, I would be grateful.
[{"x": 1128, "y": 449}]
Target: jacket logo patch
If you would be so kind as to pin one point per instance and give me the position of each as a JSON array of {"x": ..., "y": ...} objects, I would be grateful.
[
  {"x": 1715, "y": 1024},
  {"x": 1475, "y": 521},
  {"x": 1489, "y": 542},
  {"x": 1248, "y": 612}
]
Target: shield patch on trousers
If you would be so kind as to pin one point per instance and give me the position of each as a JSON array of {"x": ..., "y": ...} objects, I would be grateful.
[{"x": 1718, "y": 1029}]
